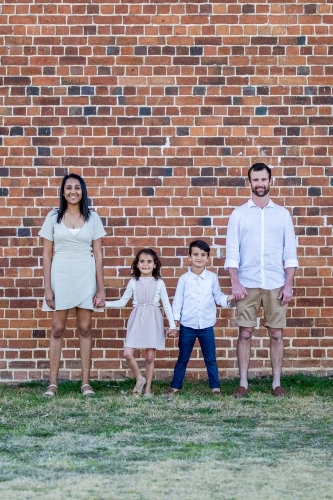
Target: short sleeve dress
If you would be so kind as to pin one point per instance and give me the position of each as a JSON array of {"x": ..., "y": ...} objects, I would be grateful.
[{"x": 73, "y": 269}]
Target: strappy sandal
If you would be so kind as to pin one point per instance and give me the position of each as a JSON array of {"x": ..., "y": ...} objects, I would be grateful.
[
  {"x": 50, "y": 394},
  {"x": 88, "y": 391},
  {"x": 138, "y": 391}
]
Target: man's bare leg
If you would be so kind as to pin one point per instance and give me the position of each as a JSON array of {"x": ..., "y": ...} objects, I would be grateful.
[{"x": 277, "y": 349}]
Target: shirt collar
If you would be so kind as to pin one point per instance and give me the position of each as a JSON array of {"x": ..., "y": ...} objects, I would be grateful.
[
  {"x": 195, "y": 276},
  {"x": 251, "y": 203}
]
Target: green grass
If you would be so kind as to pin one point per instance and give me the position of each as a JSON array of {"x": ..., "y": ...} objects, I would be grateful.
[{"x": 193, "y": 446}]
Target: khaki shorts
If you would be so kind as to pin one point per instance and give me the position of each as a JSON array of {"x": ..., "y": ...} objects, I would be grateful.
[{"x": 248, "y": 308}]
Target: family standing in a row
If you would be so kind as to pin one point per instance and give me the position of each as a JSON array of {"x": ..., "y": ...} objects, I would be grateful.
[{"x": 260, "y": 256}]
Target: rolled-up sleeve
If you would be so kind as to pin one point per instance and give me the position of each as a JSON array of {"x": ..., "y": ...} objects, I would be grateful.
[
  {"x": 232, "y": 246},
  {"x": 290, "y": 250}
]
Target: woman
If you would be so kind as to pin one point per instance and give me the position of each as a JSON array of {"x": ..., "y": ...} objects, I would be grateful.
[{"x": 73, "y": 272}]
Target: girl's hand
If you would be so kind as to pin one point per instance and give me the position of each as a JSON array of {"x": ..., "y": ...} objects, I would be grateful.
[
  {"x": 172, "y": 332},
  {"x": 49, "y": 298},
  {"x": 99, "y": 299}
]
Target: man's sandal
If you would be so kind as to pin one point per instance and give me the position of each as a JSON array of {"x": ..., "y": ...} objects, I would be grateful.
[
  {"x": 50, "y": 394},
  {"x": 88, "y": 391},
  {"x": 138, "y": 391}
]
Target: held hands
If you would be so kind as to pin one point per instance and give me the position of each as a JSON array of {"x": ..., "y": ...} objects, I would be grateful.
[
  {"x": 49, "y": 298},
  {"x": 238, "y": 291},
  {"x": 99, "y": 299},
  {"x": 231, "y": 301},
  {"x": 172, "y": 332}
]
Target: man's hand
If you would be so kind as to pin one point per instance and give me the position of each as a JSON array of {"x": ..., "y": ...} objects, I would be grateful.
[
  {"x": 238, "y": 290},
  {"x": 172, "y": 332},
  {"x": 286, "y": 294}
]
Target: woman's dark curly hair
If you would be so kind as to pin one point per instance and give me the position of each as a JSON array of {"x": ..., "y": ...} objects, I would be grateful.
[{"x": 156, "y": 271}]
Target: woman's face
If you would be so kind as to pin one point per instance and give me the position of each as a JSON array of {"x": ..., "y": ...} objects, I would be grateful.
[{"x": 72, "y": 191}]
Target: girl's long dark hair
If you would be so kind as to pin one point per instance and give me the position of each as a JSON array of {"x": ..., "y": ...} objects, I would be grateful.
[
  {"x": 156, "y": 271},
  {"x": 84, "y": 208}
]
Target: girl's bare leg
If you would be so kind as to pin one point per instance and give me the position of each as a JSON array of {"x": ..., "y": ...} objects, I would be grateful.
[
  {"x": 83, "y": 324},
  {"x": 59, "y": 319},
  {"x": 131, "y": 361},
  {"x": 150, "y": 357}
]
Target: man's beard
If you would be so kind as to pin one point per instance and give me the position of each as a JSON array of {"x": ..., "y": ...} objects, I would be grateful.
[{"x": 262, "y": 192}]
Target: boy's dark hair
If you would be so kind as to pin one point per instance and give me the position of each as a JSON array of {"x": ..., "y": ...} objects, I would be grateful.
[
  {"x": 84, "y": 208},
  {"x": 156, "y": 271},
  {"x": 199, "y": 244},
  {"x": 256, "y": 167}
]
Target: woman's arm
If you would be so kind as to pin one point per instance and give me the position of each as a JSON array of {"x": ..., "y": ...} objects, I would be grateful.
[
  {"x": 47, "y": 261},
  {"x": 98, "y": 254}
]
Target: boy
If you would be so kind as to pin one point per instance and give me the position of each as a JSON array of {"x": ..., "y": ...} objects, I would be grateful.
[{"x": 194, "y": 308}]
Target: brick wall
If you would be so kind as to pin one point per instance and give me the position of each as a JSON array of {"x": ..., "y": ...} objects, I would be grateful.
[{"x": 162, "y": 107}]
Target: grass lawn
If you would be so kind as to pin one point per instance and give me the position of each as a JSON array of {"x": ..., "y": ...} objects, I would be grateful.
[{"x": 193, "y": 446}]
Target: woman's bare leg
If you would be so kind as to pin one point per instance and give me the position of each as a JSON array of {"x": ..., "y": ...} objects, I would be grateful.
[
  {"x": 83, "y": 324},
  {"x": 59, "y": 319}
]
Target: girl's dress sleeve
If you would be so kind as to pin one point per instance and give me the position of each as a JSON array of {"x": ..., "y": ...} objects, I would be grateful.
[
  {"x": 47, "y": 228},
  {"x": 98, "y": 231},
  {"x": 115, "y": 304},
  {"x": 166, "y": 304}
]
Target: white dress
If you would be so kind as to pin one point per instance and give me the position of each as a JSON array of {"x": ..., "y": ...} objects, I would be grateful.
[
  {"x": 73, "y": 268},
  {"x": 145, "y": 329}
]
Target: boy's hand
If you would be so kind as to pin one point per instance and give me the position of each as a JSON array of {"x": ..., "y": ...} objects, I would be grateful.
[
  {"x": 231, "y": 300},
  {"x": 172, "y": 332}
]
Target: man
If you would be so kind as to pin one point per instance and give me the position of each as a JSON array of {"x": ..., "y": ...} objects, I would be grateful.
[{"x": 261, "y": 259}]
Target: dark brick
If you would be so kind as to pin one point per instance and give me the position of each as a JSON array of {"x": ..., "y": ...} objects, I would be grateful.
[
  {"x": 12, "y": 81},
  {"x": 207, "y": 172},
  {"x": 301, "y": 40},
  {"x": 323, "y": 100},
  {"x": 279, "y": 51},
  {"x": 23, "y": 231},
  {"x": 161, "y": 172},
  {"x": 208, "y": 40},
  {"x": 264, "y": 40},
  {"x": 4, "y": 192},
  {"x": 310, "y": 91},
  {"x": 73, "y": 90},
  {"x": 310, "y": 8},
  {"x": 249, "y": 90},
  {"x": 16, "y": 131},
  {"x": 89, "y": 110},
  {"x": 104, "y": 70},
  {"x": 38, "y": 334},
  {"x": 199, "y": 90},
  {"x": 317, "y": 332},
  {"x": 44, "y": 131},
  {"x": 196, "y": 51},
  {"x": 326, "y": 90},
  {"x": 43, "y": 151},
  {"x": 152, "y": 141},
  {"x": 314, "y": 191},
  {"x": 118, "y": 91},
  {"x": 293, "y": 131},
  {"x": 60, "y": 171},
  {"x": 140, "y": 50},
  {"x": 225, "y": 151},
  {"x": 90, "y": 30},
  {"x": 145, "y": 111},
  {"x": 261, "y": 110},
  {"x": 330, "y": 131},
  {"x": 183, "y": 131},
  {"x": 205, "y": 221},
  {"x": 303, "y": 70},
  {"x": 211, "y": 80},
  {"x": 33, "y": 90},
  {"x": 232, "y": 181},
  {"x": 4, "y": 172},
  {"x": 121, "y": 100},
  {"x": 167, "y": 50},
  {"x": 112, "y": 51},
  {"x": 204, "y": 181},
  {"x": 154, "y": 51},
  {"x": 311, "y": 231},
  {"x": 75, "y": 111},
  {"x": 237, "y": 101},
  {"x": 148, "y": 191},
  {"x": 49, "y": 70},
  {"x": 211, "y": 141},
  {"x": 263, "y": 90},
  {"x": 171, "y": 90},
  {"x": 248, "y": 9}
]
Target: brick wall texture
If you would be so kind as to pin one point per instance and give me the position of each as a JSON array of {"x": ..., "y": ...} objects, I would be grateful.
[{"x": 162, "y": 106}]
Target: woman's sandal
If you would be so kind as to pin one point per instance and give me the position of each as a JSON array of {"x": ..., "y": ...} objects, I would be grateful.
[
  {"x": 88, "y": 391},
  {"x": 50, "y": 394},
  {"x": 138, "y": 391}
]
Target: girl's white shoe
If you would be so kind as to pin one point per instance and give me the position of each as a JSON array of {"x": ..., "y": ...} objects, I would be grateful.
[
  {"x": 49, "y": 393},
  {"x": 87, "y": 391}
]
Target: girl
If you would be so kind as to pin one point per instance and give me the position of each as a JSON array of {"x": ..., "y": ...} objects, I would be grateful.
[
  {"x": 73, "y": 272},
  {"x": 145, "y": 328}
]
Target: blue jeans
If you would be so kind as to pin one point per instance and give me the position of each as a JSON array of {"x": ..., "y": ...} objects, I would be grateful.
[{"x": 187, "y": 338}]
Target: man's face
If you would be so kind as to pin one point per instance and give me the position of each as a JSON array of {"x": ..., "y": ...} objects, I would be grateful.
[{"x": 260, "y": 183}]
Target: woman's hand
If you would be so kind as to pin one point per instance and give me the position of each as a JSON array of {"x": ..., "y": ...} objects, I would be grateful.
[
  {"x": 99, "y": 299},
  {"x": 49, "y": 298}
]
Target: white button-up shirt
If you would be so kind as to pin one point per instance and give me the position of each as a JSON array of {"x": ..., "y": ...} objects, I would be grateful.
[
  {"x": 261, "y": 243},
  {"x": 195, "y": 298}
]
